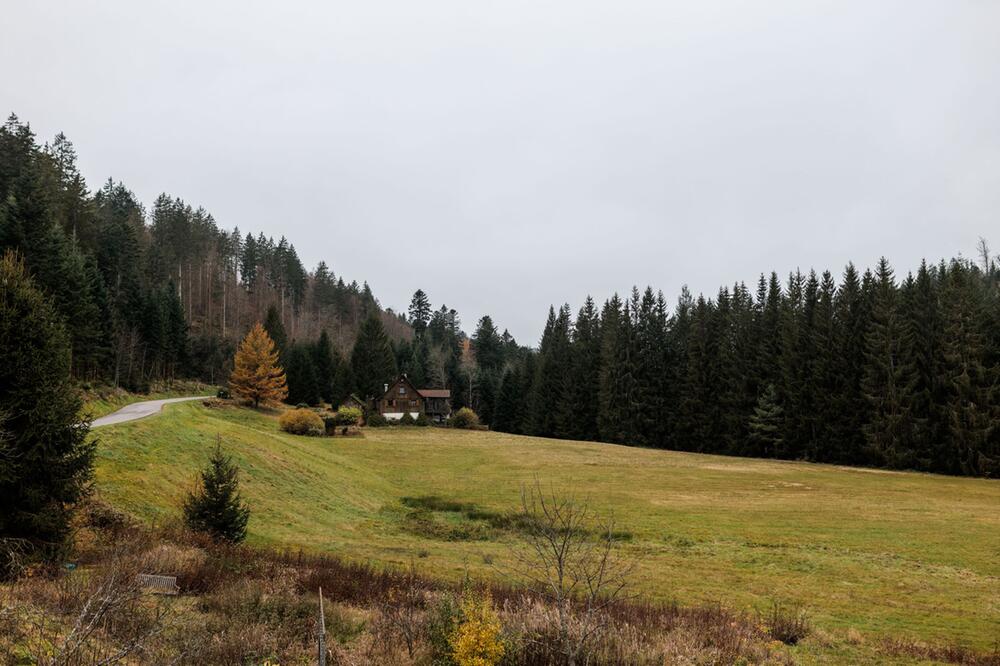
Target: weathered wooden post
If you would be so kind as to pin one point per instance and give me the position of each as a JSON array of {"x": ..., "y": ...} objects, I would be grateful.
[{"x": 321, "y": 636}]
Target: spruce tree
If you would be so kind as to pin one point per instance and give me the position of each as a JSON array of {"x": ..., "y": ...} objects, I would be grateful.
[
  {"x": 612, "y": 406},
  {"x": 420, "y": 312},
  {"x": 848, "y": 402},
  {"x": 922, "y": 348},
  {"x": 766, "y": 424},
  {"x": 887, "y": 426},
  {"x": 275, "y": 329},
  {"x": 215, "y": 506},
  {"x": 300, "y": 371},
  {"x": 343, "y": 381},
  {"x": 50, "y": 460},
  {"x": 324, "y": 366},
  {"x": 971, "y": 386},
  {"x": 372, "y": 361}
]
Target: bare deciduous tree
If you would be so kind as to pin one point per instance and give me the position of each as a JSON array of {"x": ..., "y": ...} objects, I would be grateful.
[
  {"x": 399, "y": 611},
  {"x": 572, "y": 557}
]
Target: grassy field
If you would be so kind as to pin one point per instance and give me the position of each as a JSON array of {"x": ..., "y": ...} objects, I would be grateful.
[{"x": 867, "y": 553}]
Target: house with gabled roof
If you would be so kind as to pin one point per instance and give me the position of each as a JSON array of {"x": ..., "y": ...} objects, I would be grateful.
[{"x": 402, "y": 397}]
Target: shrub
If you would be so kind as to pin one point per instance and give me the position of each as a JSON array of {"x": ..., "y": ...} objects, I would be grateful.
[
  {"x": 376, "y": 420},
  {"x": 422, "y": 420},
  {"x": 476, "y": 640},
  {"x": 464, "y": 418},
  {"x": 406, "y": 420},
  {"x": 222, "y": 394},
  {"x": 301, "y": 422},
  {"x": 348, "y": 416}
]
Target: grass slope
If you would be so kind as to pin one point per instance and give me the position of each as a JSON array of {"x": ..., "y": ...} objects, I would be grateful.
[{"x": 878, "y": 552}]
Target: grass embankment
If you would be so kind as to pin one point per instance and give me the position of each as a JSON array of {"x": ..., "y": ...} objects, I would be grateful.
[
  {"x": 868, "y": 553},
  {"x": 103, "y": 400}
]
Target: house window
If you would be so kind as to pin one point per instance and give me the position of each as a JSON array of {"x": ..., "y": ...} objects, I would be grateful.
[
  {"x": 413, "y": 403},
  {"x": 392, "y": 403},
  {"x": 402, "y": 390}
]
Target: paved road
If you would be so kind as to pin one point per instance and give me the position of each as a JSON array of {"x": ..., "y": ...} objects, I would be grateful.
[{"x": 139, "y": 410}]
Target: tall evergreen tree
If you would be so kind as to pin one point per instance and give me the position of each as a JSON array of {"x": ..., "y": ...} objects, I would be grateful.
[
  {"x": 275, "y": 329},
  {"x": 420, "y": 312},
  {"x": 887, "y": 428},
  {"x": 300, "y": 371},
  {"x": 50, "y": 460},
  {"x": 324, "y": 365},
  {"x": 372, "y": 361}
]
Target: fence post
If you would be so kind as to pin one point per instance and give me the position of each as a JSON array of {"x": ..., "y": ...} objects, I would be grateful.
[{"x": 321, "y": 635}]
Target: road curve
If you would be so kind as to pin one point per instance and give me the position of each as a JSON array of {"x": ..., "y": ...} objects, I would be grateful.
[{"x": 139, "y": 410}]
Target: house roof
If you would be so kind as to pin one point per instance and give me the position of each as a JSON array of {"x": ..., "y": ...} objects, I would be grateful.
[
  {"x": 434, "y": 393},
  {"x": 401, "y": 378}
]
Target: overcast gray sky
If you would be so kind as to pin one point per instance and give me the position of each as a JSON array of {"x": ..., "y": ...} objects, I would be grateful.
[{"x": 507, "y": 155}]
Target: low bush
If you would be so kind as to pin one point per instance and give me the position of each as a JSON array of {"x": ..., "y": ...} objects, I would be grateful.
[
  {"x": 376, "y": 420},
  {"x": 301, "y": 422},
  {"x": 422, "y": 420},
  {"x": 464, "y": 418},
  {"x": 348, "y": 416},
  {"x": 222, "y": 394},
  {"x": 407, "y": 419}
]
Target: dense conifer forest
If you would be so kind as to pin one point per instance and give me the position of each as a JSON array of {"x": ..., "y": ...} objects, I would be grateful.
[
  {"x": 871, "y": 370},
  {"x": 159, "y": 293}
]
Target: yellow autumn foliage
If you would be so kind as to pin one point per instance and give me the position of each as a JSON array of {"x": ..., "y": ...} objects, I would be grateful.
[{"x": 476, "y": 639}]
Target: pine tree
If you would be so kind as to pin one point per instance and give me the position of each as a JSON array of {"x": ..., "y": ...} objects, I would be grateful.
[
  {"x": 215, "y": 506},
  {"x": 372, "y": 361},
  {"x": 50, "y": 460},
  {"x": 257, "y": 376}
]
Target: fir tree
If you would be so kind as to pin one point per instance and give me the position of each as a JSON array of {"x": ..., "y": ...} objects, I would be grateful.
[
  {"x": 324, "y": 366},
  {"x": 215, "y": 506},
  {"x": 612, "y": 406},
  {"x": 372, "y": 361},
  {"x": 275, "y": 329},
  {"x": 765, "y": 425},
  {"x": 886, "y": 430},
  {"x": 49, "y": 463},
  {"x": 420, "y": 312},
  {"x": 300, "y": 371}
]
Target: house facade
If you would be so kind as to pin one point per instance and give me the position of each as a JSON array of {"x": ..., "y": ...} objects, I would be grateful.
[{"x": 402, "y": 397}]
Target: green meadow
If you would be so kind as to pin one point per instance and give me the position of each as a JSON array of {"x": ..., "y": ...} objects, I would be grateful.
[{"x": 866, "y": 553}]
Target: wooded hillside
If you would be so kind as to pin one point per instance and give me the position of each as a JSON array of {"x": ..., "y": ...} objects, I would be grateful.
[{"x": 158, "y": 293}]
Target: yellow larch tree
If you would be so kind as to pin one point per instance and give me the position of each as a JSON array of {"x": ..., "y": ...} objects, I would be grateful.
[{"x": 257, "y": 376}]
